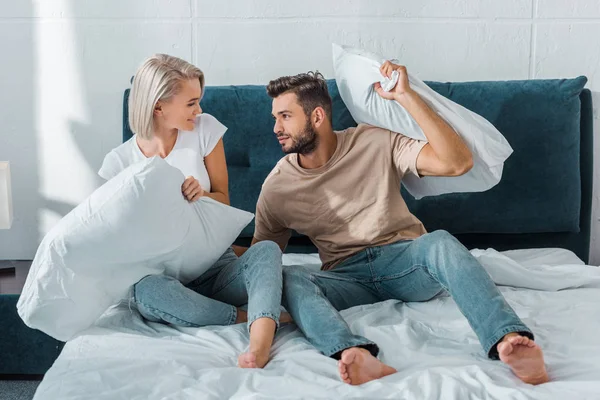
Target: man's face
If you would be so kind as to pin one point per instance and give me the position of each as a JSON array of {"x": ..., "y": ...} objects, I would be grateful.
[{"x": 293, "y": 128}]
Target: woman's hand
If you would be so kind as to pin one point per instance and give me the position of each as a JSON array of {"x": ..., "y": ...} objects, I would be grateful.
[
  {"x": 239, "y": 250},
  {"x": 191, "y": 189}
]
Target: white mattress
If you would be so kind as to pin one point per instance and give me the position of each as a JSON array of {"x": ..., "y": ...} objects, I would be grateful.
[{"x": 433, "y": 348}]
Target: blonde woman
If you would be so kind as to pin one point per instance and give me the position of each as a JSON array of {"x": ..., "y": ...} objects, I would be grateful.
[{"x": 165, "y": 115}]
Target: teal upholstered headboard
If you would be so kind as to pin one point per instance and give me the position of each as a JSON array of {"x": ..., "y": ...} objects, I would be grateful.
[{"x": 543, "y": 200}]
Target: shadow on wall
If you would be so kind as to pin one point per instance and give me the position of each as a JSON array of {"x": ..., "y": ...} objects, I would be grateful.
[{"x": 89, "y": 133}]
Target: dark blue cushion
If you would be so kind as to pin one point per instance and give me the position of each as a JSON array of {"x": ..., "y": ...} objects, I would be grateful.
[{"x": 541, "y": 121}]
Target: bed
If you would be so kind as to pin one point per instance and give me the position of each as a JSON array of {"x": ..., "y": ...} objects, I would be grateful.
[
  {"x": 531, "y": 232},
  {"x": 430, "y": 344}
]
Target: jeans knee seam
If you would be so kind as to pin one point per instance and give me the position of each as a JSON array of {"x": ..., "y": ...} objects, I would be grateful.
[
  {"x": 396, "y": 276},
  {"x": 431, "y": 274},
  {"x": 234, "y": 277},
  {"x": 156, "y": 310}
]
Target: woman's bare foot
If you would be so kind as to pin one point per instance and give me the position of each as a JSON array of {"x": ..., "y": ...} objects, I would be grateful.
[
  {"x": 252, "y": 360},
  {"x": 524, "y": 357},
  {"x": 358, "y": 366},
  {"x": 262, "y": 332}
]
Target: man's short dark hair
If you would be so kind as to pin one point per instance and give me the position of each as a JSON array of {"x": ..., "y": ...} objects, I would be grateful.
[{"x": 310, "y": 89}]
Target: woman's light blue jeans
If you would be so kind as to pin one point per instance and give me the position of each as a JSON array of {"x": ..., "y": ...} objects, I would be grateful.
[
  {"x": 414, "y": 270},
  {"x": 254, "y": 278}
]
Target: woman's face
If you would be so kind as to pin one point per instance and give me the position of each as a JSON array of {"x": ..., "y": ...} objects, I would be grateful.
[{"x": 180, "y": 111}]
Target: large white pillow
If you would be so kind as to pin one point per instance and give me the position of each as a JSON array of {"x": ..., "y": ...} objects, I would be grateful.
[
  {"x": 136, "y": 224},
  {"x": 357, "y": 70}
]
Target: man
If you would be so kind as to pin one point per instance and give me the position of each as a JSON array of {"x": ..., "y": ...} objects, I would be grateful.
[{"x": 342, "y": 190}]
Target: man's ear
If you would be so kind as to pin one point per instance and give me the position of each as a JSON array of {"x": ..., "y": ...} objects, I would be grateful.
[{"x": 319, "y": 116}]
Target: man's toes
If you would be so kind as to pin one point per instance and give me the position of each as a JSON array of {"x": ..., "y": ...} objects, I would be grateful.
[
  {"x": 515, "y": 340},
  {"x": 348, "y": 356},
  {"x": 343, "y": 369},
  {"x": 505, "y": 348}
]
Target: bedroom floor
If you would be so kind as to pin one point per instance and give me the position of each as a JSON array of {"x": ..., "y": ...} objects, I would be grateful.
[{"x": 18, "y": 390}]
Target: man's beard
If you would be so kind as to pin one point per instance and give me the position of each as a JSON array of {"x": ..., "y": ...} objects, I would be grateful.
[{"x": 306, "y": 142}]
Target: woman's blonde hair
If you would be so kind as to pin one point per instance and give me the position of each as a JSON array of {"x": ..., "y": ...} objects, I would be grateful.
[{"x": 158, "y": 78}]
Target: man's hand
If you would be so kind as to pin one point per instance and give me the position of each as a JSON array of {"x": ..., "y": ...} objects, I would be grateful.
[
  {"x": 191, "y": 189},
  {"x": 401, "y": 89}
]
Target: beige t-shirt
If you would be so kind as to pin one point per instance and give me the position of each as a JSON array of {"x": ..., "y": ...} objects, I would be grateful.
[{"x": 350, "y": 203}]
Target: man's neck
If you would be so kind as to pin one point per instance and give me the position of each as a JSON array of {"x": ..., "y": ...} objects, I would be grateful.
[{"x": 323, "y": 153}]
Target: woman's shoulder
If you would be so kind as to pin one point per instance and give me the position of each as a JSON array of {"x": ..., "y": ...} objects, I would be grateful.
[
  {"x": 205, "y": 123},
  {"x": 208, "y": 124},
  {"x": 125, "y": 151},
  {"x": 118, "y": 159},
  {"x": 210, "y": 130}
]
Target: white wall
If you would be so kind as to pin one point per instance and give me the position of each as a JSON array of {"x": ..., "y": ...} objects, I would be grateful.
[{"x": 67, "y": 62}]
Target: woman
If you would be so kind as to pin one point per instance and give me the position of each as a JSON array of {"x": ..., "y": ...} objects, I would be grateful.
[{"x": 165, "y": 115}]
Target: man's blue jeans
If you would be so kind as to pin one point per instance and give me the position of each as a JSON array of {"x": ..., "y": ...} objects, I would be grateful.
[{"x": 412, "y": 270}]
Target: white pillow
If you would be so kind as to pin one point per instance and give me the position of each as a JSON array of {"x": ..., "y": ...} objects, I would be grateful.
[
  {"x": 136, "y": 224},
  {"x": 357, "y": 70}
]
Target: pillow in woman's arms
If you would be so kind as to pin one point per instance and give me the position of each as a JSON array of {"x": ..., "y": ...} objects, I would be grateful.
[
  {"x": 357, "y": 70},
  {"x": 136, "y": 224}
]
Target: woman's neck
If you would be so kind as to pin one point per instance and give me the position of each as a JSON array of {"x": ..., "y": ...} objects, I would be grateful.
[{"x": 161, "y": 144}]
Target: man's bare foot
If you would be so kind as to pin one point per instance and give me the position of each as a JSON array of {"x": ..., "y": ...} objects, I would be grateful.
[
  {"x": 524, "y": 357},
  {"x": 252, "y": 360},
  {"x": 285, "y": 318},
  {"x": 358, "y": 366}
]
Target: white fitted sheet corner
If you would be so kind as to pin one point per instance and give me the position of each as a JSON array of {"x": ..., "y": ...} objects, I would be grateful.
[{"x": 431, "y": 344}]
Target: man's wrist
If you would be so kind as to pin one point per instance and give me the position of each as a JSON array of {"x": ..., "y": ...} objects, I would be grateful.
[{"x": 407, "y": 98}]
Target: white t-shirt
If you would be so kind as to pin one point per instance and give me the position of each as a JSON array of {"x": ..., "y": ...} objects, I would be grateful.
[{"x": 187, "y": 155}]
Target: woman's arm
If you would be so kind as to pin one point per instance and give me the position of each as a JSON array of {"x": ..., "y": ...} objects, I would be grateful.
[{"x": 216, "y": 166}]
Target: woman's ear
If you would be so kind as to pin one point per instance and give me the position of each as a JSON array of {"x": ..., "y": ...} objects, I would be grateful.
[{"x": 158, "y": 108}]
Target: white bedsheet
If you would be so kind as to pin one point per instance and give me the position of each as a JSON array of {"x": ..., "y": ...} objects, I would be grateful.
[{"x": 431, "y": 344}]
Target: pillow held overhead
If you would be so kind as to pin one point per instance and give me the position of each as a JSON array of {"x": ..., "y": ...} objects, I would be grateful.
[{"x": 357, "y": 70}]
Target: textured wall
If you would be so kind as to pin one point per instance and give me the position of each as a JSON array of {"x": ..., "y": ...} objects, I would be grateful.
[{"x": 67, "y": 62}]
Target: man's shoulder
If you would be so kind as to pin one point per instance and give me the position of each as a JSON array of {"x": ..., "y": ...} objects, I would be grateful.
[
  {"x": 371, "y": 130},
  {"x": 362, "y": 129},
  {"x": 365, "y": 135},
  {"x": 277, "y": 175}
]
